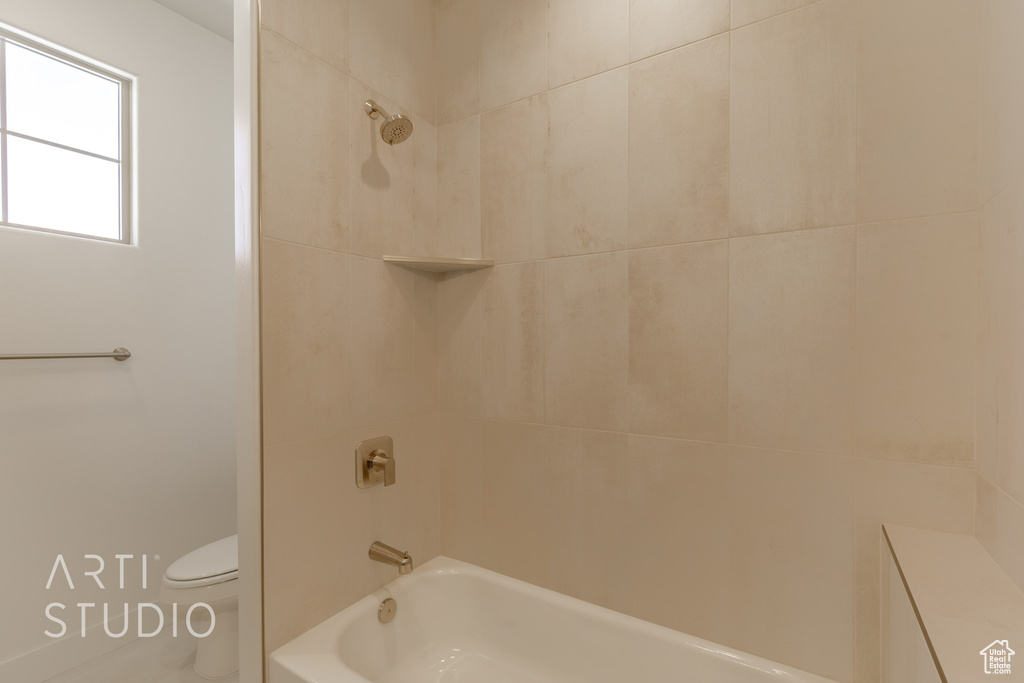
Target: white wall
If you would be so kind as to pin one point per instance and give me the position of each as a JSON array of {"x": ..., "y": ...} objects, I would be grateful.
[{"x": 138, "y": 457}]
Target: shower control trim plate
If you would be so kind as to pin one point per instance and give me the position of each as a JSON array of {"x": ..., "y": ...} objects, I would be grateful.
[{"x": 375, "y": 462}]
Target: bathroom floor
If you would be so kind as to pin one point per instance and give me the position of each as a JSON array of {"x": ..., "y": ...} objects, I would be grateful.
[{"x": 161, "y": 659}]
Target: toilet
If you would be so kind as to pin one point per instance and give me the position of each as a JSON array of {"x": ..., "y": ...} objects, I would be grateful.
[{"x": 210, "y": 575}]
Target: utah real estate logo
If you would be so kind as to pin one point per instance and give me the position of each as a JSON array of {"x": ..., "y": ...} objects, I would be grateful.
[{"x": 997, "y": 657}]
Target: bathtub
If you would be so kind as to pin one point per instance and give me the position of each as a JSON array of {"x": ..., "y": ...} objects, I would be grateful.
[{"x": 458, "y": 623}]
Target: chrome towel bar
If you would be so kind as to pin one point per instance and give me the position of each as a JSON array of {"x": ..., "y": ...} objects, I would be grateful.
[{"x": 120, "y": 353}]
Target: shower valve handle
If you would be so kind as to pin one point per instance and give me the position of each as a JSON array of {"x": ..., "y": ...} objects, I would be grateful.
[
  {"x": 380, "y": 461},
  {"x": 375, "y": 462}
]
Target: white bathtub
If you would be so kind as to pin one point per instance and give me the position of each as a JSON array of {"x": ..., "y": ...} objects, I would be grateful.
[{"x": 457, "y": 623}]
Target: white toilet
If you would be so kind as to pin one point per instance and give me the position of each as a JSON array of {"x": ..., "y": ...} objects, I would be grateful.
[{"x": 210, "y": 575}]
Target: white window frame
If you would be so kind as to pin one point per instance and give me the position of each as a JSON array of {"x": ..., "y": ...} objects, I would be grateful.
[{"x": 125, "y": 134}]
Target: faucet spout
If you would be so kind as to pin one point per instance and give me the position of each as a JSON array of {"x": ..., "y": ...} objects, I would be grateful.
[{"x": 381, "y": 552}]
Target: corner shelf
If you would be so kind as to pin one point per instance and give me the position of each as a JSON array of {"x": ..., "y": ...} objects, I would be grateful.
[{"x": 439, "y": 264}]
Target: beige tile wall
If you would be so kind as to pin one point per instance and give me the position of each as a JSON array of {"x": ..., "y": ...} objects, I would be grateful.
[
  {"x": 587, "y": 154},
  {"x": 1000, "y": 368},
  {"x": 349, "y": 344},
  {"x": 679, "y": 192},
  {"x": 918, "y": 142},
  {"x": 916, "y": 303},
  {"x": 791, "y": 340},
  {"x": 793, "y": 114},
  {"x": 732, "y": 328}
]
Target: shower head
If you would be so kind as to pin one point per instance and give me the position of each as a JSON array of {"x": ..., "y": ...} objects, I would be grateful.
[{"x": 396, "y": 128}]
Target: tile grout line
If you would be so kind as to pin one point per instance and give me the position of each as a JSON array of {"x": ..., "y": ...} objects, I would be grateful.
[
  {"x": 965, "y": 212},
  {"x": 848, "y": 456}
]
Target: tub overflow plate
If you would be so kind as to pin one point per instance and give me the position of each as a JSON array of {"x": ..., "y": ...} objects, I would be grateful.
[{"x": 387, "y": 610}]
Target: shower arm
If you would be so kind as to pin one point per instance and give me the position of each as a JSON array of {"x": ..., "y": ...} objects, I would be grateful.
[{"x": 373, "y": 110}]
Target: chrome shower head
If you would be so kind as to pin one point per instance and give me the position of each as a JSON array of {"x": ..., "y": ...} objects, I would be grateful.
[{"x": 396, "y": 128}]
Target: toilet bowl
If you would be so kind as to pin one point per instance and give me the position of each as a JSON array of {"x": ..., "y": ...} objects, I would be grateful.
[{"x": 209, "y": 575}]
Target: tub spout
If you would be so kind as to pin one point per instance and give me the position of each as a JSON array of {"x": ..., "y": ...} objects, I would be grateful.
[{"x": 388, "y": 555}]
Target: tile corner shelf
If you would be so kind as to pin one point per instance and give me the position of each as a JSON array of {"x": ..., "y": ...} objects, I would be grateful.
[{"x": 438, "y": 264}]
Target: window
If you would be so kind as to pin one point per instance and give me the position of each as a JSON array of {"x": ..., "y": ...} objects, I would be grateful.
[{"x": 64, "y": 143}]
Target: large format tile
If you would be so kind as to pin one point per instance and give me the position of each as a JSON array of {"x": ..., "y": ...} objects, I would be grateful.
[
  {"x": 793, "y": 113},
  {"x": 521, "y": 507},
  {"x": 586, "y": 37},
  {"x": 587, "y": 515},
  {"x": 319, "y": 26},
  {"x": 392, "y": 49},
  {"x": 305, "y": 328},
  {"x": 458, "y": 189},
  {"x": 514, "y": 181},
  {"x": 916, "y": 339},
  {"x": 791, "y": 559},
  {"x": 678, "y": 341},
  {"x": 512, "y": 343},
  {"x": 393, "y": 342},
  {"x": 656, "y": 26},
  {"x": 909, "y": 494},
  {"x": 586, "y": 350},
  {"x": 679, "y": 145},
  {"x": 460, "y": 326},
  {"x": 463, "y": 533},
  {"x": 492, "y": 343},
  {"x": 302, "y": 506},
  {"x": 305, "y": 118},
  {"x": 513, "y": 51},
  {"x": 917, "y": 108},
  {"x": 541, "y": 529},
  {"x": 791, "y": 340},
  {"x": 458, "y": 60},
  {"x": 680, "y": 491},
  {"x": 1001, "y": 105},
  {"x": 587, "y": 165}
]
